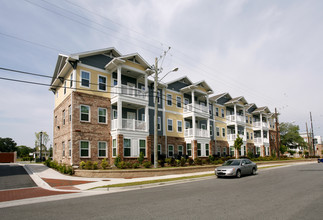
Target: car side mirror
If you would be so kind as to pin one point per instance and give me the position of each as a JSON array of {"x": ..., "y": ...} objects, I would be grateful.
[{"x": 243, "y": 164}]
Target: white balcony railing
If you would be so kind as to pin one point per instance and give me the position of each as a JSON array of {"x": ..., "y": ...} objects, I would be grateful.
[
  {"x": 129, "y": 124},
  {"x": 232, "y": 118},
  {"x": 129, "y": 91},
  {"x": 197, "y": 108},
  {"x": 258, "y": 140},
  {"x": 258, "y": 124},
  {"x": 233, "y": 137},
  {"x": 198, "y": 132}
]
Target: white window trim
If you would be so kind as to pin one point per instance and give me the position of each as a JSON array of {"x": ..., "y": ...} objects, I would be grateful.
[
  {"x": 89, "y": 156},
  {"x": 223, "y": 129},
  {"x": 171, "y": 99},
  {"x": 106, "y": 149},
  {"x": 180, "y": 102},
  {"x": 65, "y": 87},
  {"x": 89, "y": 113},
  {"x": 206, "y": 148},
  {"x": 106, "y": 115},
  {"x": 106, "y": 80},
  {"x": 216, "y": 131},
  {"x": 159, "y": 123},
  {"x": 188, "y": 149},
  {"x": 141, "y": 139},
  {"x": 181, "y": 126},
  {"x": 69, "y": 148},
  {"x": 182, "y": 149},
  {"x": 188, "y": 101},
  {"x": 172, "y": 125},
  {"x": 114, "y": 111},
  {"x": 159, "y": 145},
  {"x": 222, "y": 113},
  {"x": 169, "y": 151},
  {"x": 115, "y": 147},
  {"x": 81, "y": 79},
  {"x": 131, "y": 153}
]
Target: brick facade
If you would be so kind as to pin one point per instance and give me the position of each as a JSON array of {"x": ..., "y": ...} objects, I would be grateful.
[{"x": 222, "y": 145}]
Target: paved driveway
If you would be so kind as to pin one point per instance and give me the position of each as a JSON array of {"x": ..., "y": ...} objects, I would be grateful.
[{"x": 13, "y": 176}]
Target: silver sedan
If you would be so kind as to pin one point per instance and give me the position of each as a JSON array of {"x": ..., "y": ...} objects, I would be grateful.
[{"x": 237, "y": 168}]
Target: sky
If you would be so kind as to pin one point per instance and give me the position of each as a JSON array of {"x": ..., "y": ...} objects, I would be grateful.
[{"x": 270, "y": 52}]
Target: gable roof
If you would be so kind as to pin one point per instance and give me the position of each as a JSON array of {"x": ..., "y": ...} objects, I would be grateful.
[
  {"x": 216, "y": 97},
  {"x": 137, "y": 59},
  {"x": 183, "y": 79},
  {"x": 237, "y": 99},
  {"x": 204, "y": 85},
  {"x": 262, "y": 109},
  {"x": 110, "y": 51}
]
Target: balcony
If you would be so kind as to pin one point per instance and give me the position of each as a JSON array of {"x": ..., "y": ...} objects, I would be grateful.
[
  {"x": 197, "y": 109},
  {"x": 232, "y": 118},
  {"x": 258, "y": 140},
  {"x": 129, "y": 91},
  {"x": 198, "y": 133},
  {"x": 233, "y": 137},
  {"x": 129, "y": 124},
  {"x": 258, "y": 124}
]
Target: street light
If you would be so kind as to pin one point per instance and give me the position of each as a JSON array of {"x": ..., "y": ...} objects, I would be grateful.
[{"x": 156, "y": 110}]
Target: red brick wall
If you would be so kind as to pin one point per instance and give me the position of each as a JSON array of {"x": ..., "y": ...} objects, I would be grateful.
[{"x": 8, "y": 157}]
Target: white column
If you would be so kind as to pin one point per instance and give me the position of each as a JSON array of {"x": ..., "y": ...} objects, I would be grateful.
[
  {"x": 208, "y": 118},
  {"x": 146, "y": 87},
  {"x": 147, "y": 118},
  {"x": 261, "y": 129},
  {"x": 119, "y": 115},
  {"x": 193, "y": 115},
  {"x": 235, "y": 112},
  {"x": 119, "y": 79},
  {"x": 74, "y": 80}
]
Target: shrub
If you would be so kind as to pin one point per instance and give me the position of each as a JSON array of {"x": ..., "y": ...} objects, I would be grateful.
[
  {"x": 82, "y": 165},
  {"x": 70, "y": 170},
  {"x": 190, "y": 161},
  {"x": 147, "y": 164},
  {"x": 104, "y": 164},
  {"x": 211, "y": 158},
  {"x": 198, "y": 161},
  {"x": 122, "y": 165},
  {"x": 206, "y": 161},
  {"x": 117, "y": 160},
  {"x": 129, "y": 165},
  {"x": 183, "y": 161},
  {"x": 88, "y": 165},
  {"x": 135, "y": 165},
  {"x": 168, "y": 161},
  {"x": 177, "y": 162},
  {"x": 161, "y": 163},
  {"x": 250, "y": 154},
  {"x": 141, "y": 157},
  {"x": 95, "y": 166}
]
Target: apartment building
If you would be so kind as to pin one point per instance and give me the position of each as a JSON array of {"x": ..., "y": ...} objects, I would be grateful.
[{"x": 104, "y": 108}]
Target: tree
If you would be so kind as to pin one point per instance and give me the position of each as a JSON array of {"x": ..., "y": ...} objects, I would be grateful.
[
  {"x": 7, "y": 145},
  {"x": 23, "y": 151},
  {"x": 45, "y": 139},
  {"x": 237, "y": 145},
  {"x": 289, "y": 136},
  {"x": 282, "y": 149}
]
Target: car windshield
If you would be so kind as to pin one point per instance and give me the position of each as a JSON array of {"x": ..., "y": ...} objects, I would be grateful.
[{"x": 232, "y": 163}]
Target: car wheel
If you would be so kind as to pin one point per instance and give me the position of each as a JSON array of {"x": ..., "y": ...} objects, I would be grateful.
[
  {"x": 219, "y": 177},
  {"x": 238, "y": 174},
  {"x": 253, "y": 171}
]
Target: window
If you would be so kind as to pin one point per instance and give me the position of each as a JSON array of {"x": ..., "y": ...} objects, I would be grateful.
[
  {"x": 199, "y": 152},
  {"x": 179, "y": 126},
  {"x": 180, "y": 150},
  {"x": 247, "y": 119},
  {"x": 231, "y": 151},
  {"x": 159, "y": 149},
  {"x": 223, "y": 132},
  {"x": 115, "y": 82},
  {"x": 217, "y": 131},
  {"x": 85, "y": 79},
  {"x": 69, "y": 148},
  {"x": 159, "y": 123},
  {"x": 64, "y": 87},
  {"x": 216, "y": 111},
  {"x": 127, "y": 147},
  {"x": 248, "y": 135},
  {"x": 102, "y": 149},
  {"x": 169, "y": 125},
  {"x": 178, "y": 102},
  {"x": 63, "y": 146},
  {"x": 250, "y": 120},
  {"x": 85, "y": 113},
  {"x": 189, "y": 150},
  {"x": 170, "y": 150},
  {"x": 169, "y": 99},
  {"x": 64, "y": 117},
  {"x": 203, "y": 126},
  {"x": 102, "y": 83},
  {"x": 114, "y": 147},
  {"x": 142, "y": 147},
  {"x": 251, "y": 136},
  {"x": 210, "y": 109},
  {"x": 207, "y": 150},
  {"x": 211, "y": 130},
  {"x": 69, "y": 113},
  {"x": 85, "y": 148},
  {"x": 222, "y": 113},
  {"x": 71, "y": 80},
  {"x": 102, "y": 115},
  {"x": 115, "y": 114},
  {"x": 186, "y": 101}
]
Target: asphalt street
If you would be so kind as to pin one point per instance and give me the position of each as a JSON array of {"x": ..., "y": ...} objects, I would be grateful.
[
  {"x": 13, "y": 176},
  {"x": 294, "y": 192}
]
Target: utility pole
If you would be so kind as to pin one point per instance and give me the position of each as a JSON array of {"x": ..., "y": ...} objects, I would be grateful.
[
  {"x": 156, "y": 114},
  {"x": 312, "y": 134},
  {"x": 40, "y": 146},
  {"x": 309, "y": 143},
  {"x": 277, "y": 134}
]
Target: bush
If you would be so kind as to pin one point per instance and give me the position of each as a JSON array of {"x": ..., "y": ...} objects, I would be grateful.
[
  {"x": 183, "y": 161},
  {"x": 88, "y": 165},
  {"x": 122, "y": 165},
  {"x": 250, "y": 155},
  {"x": 129, "y": 165},
  {"x": 190, "y": 161},
  {"x": 82, "y": 165},
  {"x": 141, "y": 157},
  {"x": 161, "y": 163},
  {"x": 117, "y": 160},
  {"x": 177, "y": 162},
  {"x": 198, "y": 161},
  {"x": 95, "y": 166},
  {"x": 147, "y": 164},
  {"x": 135, "y": 165},
  {"x": 104, "y": 164},
  {"x": 168, "y": 161},
  {"x": 211, "y": 159}
]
